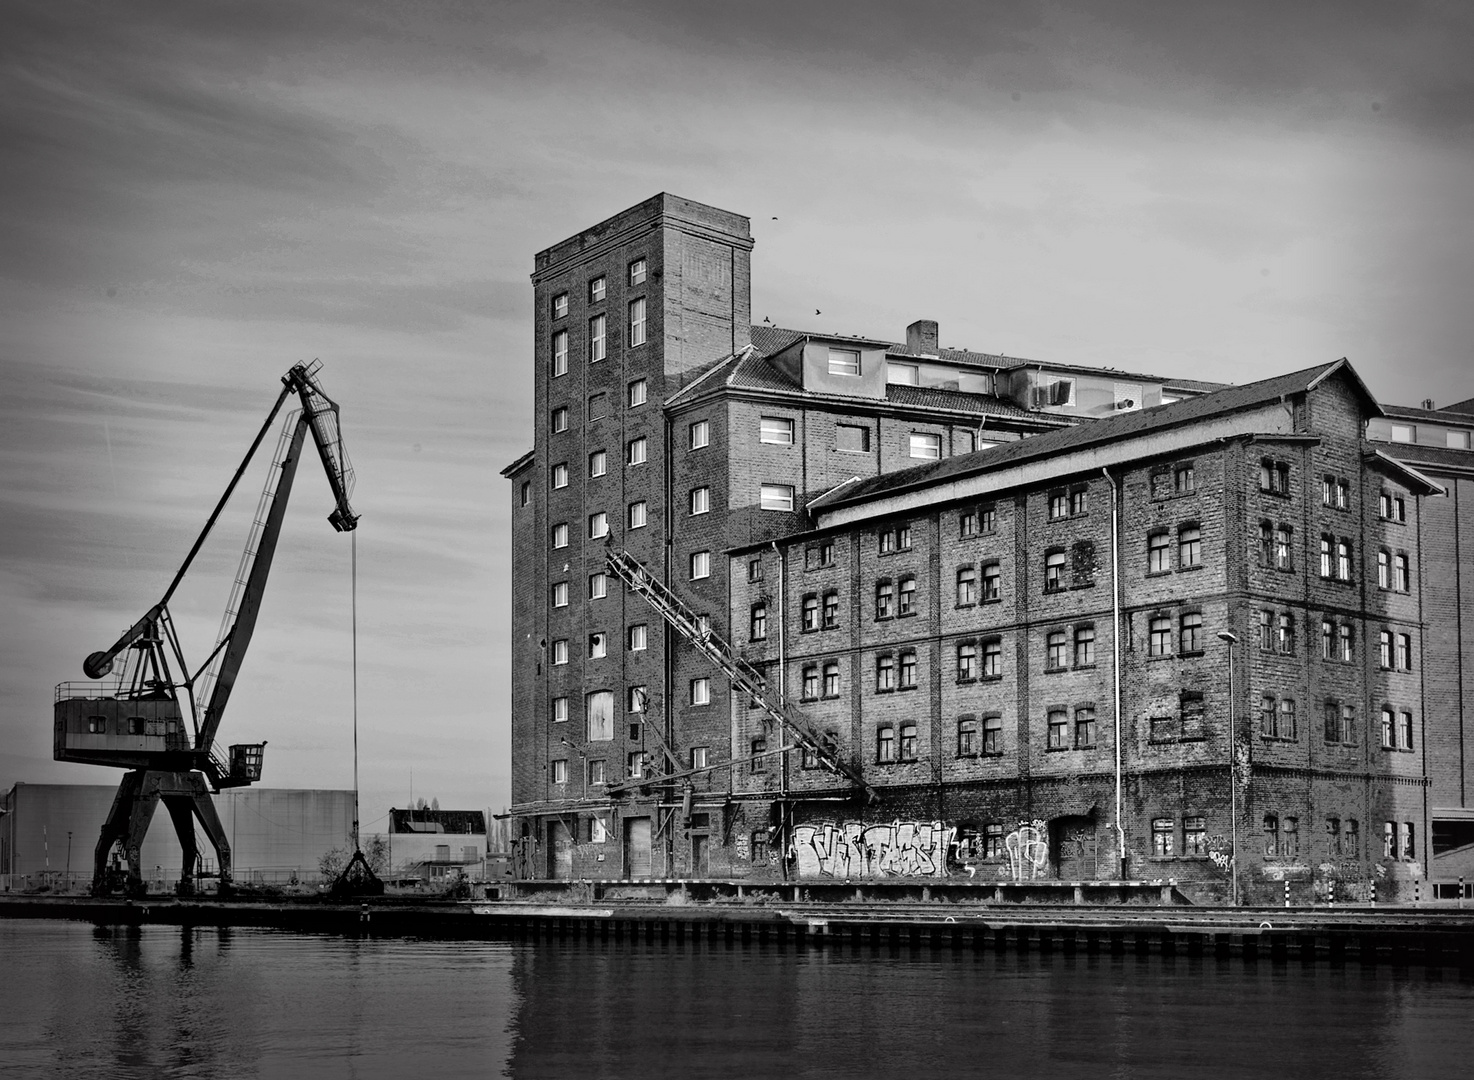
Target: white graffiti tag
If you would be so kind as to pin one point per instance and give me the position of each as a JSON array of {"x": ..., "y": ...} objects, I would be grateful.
[
  {"x": 1028, "y": 850},
  {"x": 853, "y": 849}
]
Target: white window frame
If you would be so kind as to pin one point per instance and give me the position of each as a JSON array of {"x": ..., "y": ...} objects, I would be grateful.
[
  {"x": 558, "y": 710},
  {"x": 919, "y": 439},
  {"x": 560, "y": 535},
  {"x": 638, "y": 391},
  {"x": 639, "y": 637},
  {"x": 559, "y": 772},
  {"x": 637, "y": 272},
  {"x": 598, "y": 645},
  {"x": 597, "y": 287},
  {"x": 700, "y": 564},
  {"x": 560, "y": 305},
  {"x": 636, "y": 451},
  {"x": 559, "y": 652},
  {"x": 559, "y": 421},
  {"x": 701, "y": 690},
  {"x": 560, "y": 594},
  {"x": 560, "y": 353},
  {"x": 700, "y": 434},
  {"x": 598, "y": 525},
  {"x": 598, "y": 585},
  {"x": 840, "y": 362},
  {"x": 598, "y": 328},
  {"x": 775, "y": 430},
  {"x": 637, "y": 322},
  {"x": 598, "y": 464},
  {"x": 638, "y": 514},
  {"x": 700, "y": 500},
  {"x": 775, "y": 497}
]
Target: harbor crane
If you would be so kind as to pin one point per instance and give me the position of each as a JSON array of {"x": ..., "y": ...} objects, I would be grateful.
[{"x": 154, "y": 718}]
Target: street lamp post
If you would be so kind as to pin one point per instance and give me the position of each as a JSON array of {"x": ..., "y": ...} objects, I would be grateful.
[{"x": 1229, "y": 640}]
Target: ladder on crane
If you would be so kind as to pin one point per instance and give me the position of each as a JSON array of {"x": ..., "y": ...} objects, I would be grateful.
[{"x": 743, "y": 675}]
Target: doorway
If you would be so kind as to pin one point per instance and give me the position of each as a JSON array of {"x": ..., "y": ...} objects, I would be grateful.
[
  {"x": 560, "y": 851},
  {"x": 700, "y": 855},
  {"x": 1073, "y": 848},
  {"x": 637, "y": 847}
]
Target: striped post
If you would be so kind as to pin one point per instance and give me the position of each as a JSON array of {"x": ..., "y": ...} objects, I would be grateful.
[
  {"x": 1331, "y": 892},
  {"x": 1418, "y": 891},
  {"x": 1461, "y": 892},
  {"x": 1287, "y": 892},
  {"x": 1374, "y": 892}
]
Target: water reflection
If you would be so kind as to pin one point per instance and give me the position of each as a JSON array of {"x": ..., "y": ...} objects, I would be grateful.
[{"x": 157, "y": 1001}]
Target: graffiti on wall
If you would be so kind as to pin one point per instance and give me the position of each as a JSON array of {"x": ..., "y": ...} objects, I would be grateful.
[
  {"x": 1028, "y": 850},
  {"x": 853, "y": 849}
]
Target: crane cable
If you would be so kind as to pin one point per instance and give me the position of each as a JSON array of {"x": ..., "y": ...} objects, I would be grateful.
[{"x": 354, "y": 577}]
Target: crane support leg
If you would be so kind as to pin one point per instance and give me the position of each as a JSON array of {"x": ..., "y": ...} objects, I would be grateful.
[{"x": 186, "y": 796}]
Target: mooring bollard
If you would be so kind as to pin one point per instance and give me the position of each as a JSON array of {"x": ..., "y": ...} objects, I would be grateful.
[{"x": 1287, "y": 892}]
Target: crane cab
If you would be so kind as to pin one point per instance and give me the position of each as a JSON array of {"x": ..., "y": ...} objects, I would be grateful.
[{"x": 131, "y": 732}]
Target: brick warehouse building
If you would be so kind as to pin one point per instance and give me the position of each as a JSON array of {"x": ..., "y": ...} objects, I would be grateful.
[{"x": 758, "y": 472}]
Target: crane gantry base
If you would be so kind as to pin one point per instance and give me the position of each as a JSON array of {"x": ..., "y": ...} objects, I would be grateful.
[{"x": 186, "y": 795}]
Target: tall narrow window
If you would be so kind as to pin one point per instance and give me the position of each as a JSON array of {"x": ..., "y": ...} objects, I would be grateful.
[
  {"x": 560, "y": 353},
  {"x": 907, "y": 746},
  {"x": 700, "y": 433},
  {"x": 967, "y": 661},
  {"x": 1163, "y": 831},
  {"x": 758, "y": 624},
  {"x": 1384, "y": 569},
  {"x": 992, "y": 659},
  {"x": 1158, "y": 553},
  {"x": 638, "y": 389},
  {"x": 560, "y": 535},
  {"x": 596, "y": 289},
  {"x": 992, "y": 734},
  {"x": 1189, "y": 546},
  {"x": 637, "y": 322},
  {"x": 701, "y": 691},
  {"x": 810, "y": 612},
  {"x": 1159, "y": 636},
  {"x": 1282, "y": 548},
  {"x": 598, "y": 464},
  {"x": 1343, "y": 560},
  {"x": 831, "y": 610},
  {"x": 885, "y": 597},
  {"x": 638, "y": 514},
  {"x": 598, "y": 585},
  {"x": 560, "y": 306},
  {"x": 635, "y": 451},
  {"x": 1191, "y": 634},
  {"x": 1054, "y": 571},
  {"x": 992, "y": 582},
  {"x": 1057, "y": 724},
  {"x": 1401, "y": 579},
  {"x": 967, "y": 586},
  {"x": 560, "y": 419},
  {"x": 885, "y": 744},
  {"x": 639, "y": 635},
  {"x": 1084, "y": 646},
  {"x": 637, "y": 272},
  {"x": 1085, "y": 728},
  {"x": 885, "y": 673},
  {"x": 596, "y": 339},
  {"x": 831, "y": 678},
  {"x": 1054, "y": 650},
  {"x": 907, "y": 672},
  {"x": 967, "y": 736},
  {"x": 700, "y": 500}
]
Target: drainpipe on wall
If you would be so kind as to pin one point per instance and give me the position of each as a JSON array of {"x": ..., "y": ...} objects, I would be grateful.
[
  {"x": 1116, "y": 658},
  {"x": 782, "y": 704}
]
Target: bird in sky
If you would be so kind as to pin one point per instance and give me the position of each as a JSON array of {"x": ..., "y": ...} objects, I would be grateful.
[
  {"x": 766, "y": 319},
  {"x": 818, "y": 312}
]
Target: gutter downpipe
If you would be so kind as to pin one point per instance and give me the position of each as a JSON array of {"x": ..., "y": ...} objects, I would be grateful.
[
  {"x": 1116, "y": 659},
  {"x": 782, "y": 704}
]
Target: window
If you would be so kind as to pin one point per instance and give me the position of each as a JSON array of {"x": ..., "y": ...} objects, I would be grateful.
[
  {"x": 1183, "y": 481},
  {"x": 598, "y": 645},
  {"x": 1456, "y": 440},
  {"x": 885, "y": 674},
  {"x": 810, "y": 690},
  {"x": 1343, "y": 560},
  {"x": 993, "y": 841},
  {"x": 831, "y": 678},
  {"x": 1327, "y": 639},
  {"x": 700, "y": 433},
  {"x": 638, "y": 514},
  {"x": 967, "y": 661},
  {"x": 526, "y": 492},
  {"x": 885, "y": 597},
  {"x": 1057, "y": 723},
  {"x": 775, "y": 497},
  {"x": 992, "y": 734},
  {"x": 1079, "y": 501},
  {"x": 1159, "y": 636},
  {"x": 1287, "y": 729},
  {"x": 1282, "y": 548},
  {"x": 988, "y": 519},
  {"x": 1085, "y": 728},
  {"x": 1274, "y": 477},
  {"x": 1189, "y": 546},
  {"x": 1326, "y": 567},
  {"x": 924, "y": 445},
  {"x": 598, "y": 525},
  {"x": 560, "y": 475},
  {"x": 1059, "y": 505},
  {"x": 637, "y": 322},
  {"x": 755, "y": 569},
  {"x": 1284, "y": 634},
  {"x": 993, "y": 659},
  {"x": 1194, "y": 837},
  {"x": 1384, "y": 650},
  {"x": 559, "y": 770},
  {"x": 560, "y": 710},
  {"x": 599, "y": 709},
  {"x": 598, "y": 406},
  {"x": 635, "y": 451},
  {"x": 598, "y": 585},
  {"x": 851, "y": 439},
  {"x": 992, "y": 582},
  {"x": 757, "y": 625},
  {"x": 1401, "y": 579},
  {"x": 1054, "y": 650},
  {"x": 1054, "y": 571},
  {"x": 560, "y": 305},
  {"x": 700, "y": 565},
  {"x": 1389, "y": 724},
  {"x": 1266, "y": 543},
  {"x": 638, "y": 637},
  {"x": 885, "y": 744},
  {"x": 967, "y": 737},
  {"x": 560, "y": 535},
  {"x": 967, "y": 586},
  {"x": 810, "y": 612},
  {"x": 1343, "y": 642},
  {"x": 598, "y": 463},
  {"x": 1158, "y": 553},
  {"x": 637, "y": 392},
  {"x": 967, "y": 524},
  {"x": 559, "y": 419},
  {"x": 776, "y": 430},
  {"x": 1190, "y": 710},
  {"x": 906, "y": 597},
  {"x": 759, "y": 749},
  {"x": 1084, "y": 646},
  {"x": 700, "y": 500},
  {"x": 1327, "y": 498},
  {"x": 831, "y": 609},
  {"x": 701, "y": 691},
  {"x": 908, "y": 670},
  {"x": 1271, "y": 834},
  {"x": 1163, "y": 830},
  {"x": 1190, "y": 633},
  {"x": 1402, "y": 433},
  {"x": 1404, "y": 731},
  {"x": 908, "y": 742},
  {"x": 596, "y": 339},
  {"x": 1290, "y": 836},
  {"x": 903, "y": 374},
  {"x": 560, "y": 353},
  {"x": 844, "y": 362},
  {"x": 700, "y": 757},
  {"x": 637, "y": 272}
]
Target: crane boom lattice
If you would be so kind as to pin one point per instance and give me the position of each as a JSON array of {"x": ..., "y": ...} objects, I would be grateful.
[{"x": 719, "y": 651}]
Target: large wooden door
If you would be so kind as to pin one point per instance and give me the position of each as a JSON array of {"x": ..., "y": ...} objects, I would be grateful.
[
  {"x": 560, "y": 851},
  {"x": 1074, "y": 848},
  {"x": 637, "y": 847}
]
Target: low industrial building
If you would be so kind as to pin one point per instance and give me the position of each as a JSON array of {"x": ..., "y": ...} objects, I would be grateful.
[{"x": 435, "y": 846}]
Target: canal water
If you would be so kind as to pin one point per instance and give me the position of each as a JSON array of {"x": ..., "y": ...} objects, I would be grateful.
[{"x": 83, "y": 1001}]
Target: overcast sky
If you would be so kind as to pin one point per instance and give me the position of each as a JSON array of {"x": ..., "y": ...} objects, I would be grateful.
[{"x": 194, "y": 196}]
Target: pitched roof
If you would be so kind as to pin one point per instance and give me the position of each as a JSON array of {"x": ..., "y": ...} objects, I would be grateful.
[
  {"x": 932, "y": 397},
  {"x": 1083, "y": 436},
  {"x": 447, "y": 822}
]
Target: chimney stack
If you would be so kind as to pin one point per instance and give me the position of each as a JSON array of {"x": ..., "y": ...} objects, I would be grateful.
[
  {"x": 1428, "y": 404},
  {"x": 921, "y": 337}
]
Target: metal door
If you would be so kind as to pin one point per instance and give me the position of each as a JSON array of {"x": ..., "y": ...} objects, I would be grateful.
[
  {"x": 637, "y": 847},
  {"x": 560, "y": 851}
]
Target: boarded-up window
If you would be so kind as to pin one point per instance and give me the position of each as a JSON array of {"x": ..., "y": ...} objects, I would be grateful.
[{"x": 600, "y": 711}]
